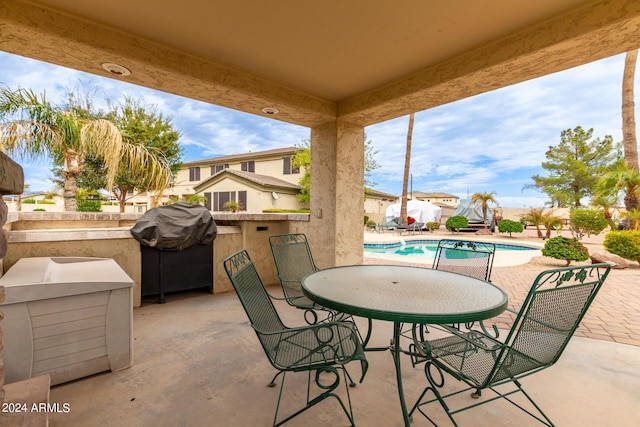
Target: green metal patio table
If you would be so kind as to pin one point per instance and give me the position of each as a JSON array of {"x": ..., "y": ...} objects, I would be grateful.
[{"x": 404, "y": 294}]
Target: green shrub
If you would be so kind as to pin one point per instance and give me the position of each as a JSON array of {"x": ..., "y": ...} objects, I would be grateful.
[
  {"x": 366, "y": 220},
  {"x": 29, "y": 201},
  {"x": 46, "y": 202},
  {"x": 569, "y": 249},
  {"x": 586, "y": 221},
  {"x": 457, "y": 222},
  {"x": 433, "y": 225},
  {"x": 39, "y": 210},
  {"x": 624, "y": 243},
  {"x": 89, "y": 206},
  {"x": 509, "y": 226},
  {"x": 371, "y": 223}
]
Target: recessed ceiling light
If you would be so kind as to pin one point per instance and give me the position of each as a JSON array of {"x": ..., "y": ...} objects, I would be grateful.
[
  {"x": 116, "y": 69},
  {"x": 270, "y": 110}
]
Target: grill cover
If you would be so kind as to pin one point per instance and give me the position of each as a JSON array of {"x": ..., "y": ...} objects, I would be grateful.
[{"x": 175, "y": 227}]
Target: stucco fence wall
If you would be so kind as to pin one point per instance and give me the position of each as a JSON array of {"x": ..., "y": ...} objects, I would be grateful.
[{"x": 103, "y": 235}]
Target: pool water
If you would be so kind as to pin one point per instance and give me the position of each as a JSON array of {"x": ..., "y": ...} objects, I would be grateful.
[{"x": 427, "y": 248}]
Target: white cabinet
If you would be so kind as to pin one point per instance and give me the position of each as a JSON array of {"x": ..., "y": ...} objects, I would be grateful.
[{"x": 66, "y": 316}]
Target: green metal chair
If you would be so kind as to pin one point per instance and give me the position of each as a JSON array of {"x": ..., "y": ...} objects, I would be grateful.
[
  {"x": 319, "y": 349},
  {"x": 547, "y": 320},
  {"x": 293, "y": 260},
  {"x": 474, "y": 259}
]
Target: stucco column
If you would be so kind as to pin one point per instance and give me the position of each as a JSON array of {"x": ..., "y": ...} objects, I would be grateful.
[{"x": 336, "y": 231}]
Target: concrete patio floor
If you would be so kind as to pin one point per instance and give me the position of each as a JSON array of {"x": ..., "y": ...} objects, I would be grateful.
[{"x": 197, "y": 362}]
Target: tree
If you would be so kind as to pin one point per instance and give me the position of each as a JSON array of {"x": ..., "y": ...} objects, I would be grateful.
[
  {"x": 484, "y": 199},
  {"x": 302, "y": 159},
  {"x": 619, "y": 178},
  {"x": 628, "y": 111},
  {"x": 143, "y": 125},
  {"x": 536, "y": 217},
  {"x": 407, "y": 167},
  {"x": 574, "y": 166},
  {"x": 30, "y": 126}
]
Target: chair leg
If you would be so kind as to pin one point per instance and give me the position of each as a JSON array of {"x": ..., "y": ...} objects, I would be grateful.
[{"x": 327, "y": 391}]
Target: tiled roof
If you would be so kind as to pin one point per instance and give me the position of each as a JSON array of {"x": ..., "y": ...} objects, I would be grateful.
[
  {"x": 244, "y": 156},
  {"x": 263, "y": 180}
]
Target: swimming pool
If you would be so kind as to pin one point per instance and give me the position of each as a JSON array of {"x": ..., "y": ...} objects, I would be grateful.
[{"x": 427, "y": 248}]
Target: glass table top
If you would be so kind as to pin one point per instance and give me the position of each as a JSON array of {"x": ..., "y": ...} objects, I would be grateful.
[{"x": 405, "y": 294}]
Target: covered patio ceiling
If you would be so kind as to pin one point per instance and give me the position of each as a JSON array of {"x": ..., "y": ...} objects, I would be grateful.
[{"x": 360, "y": 61}]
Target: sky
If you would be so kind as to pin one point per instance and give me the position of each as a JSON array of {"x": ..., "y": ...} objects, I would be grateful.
[{"x": 490, "y": 142}]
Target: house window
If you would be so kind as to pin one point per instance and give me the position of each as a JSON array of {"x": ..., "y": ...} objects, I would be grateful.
[
  {"x": 222, "y": 197},
  {"x": 248, "y": 166},
  {"x": 208, "y": 203},
  {"x": 287, "y": 169},
  {"x": 194, "y": 174},
  {"x": 217, "y": 168}
]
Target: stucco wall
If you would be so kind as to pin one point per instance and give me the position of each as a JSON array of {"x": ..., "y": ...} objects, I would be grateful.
[{"x": 247, "y": 232}]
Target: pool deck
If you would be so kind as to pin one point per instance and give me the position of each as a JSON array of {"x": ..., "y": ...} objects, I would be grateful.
[{"x": 614, "y": 315}]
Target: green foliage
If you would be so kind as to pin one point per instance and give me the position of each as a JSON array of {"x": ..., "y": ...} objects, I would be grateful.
[
  {"x": 366, "y": 219},
  {"x": 233, "y": 206},
  {"x": 624, "y": 243},
  {"x": 371, "y": 223},
  {"x": 39, "y": 210},
  {"x": 574, "y": 166},
  {"x": 457, "y": 222},
  {"x": 567, "y": 248},
  {"x": 509, "y": 226},
  {"x": 586, "y": 221},
  {"x": 621, "y": 179},
  {"x": 197, "y": 199},
  {"x": 29, "y": 201},
  {"x": 551, "y": 222},
  {"x": 88, "y": 201},
  {"x": 535, "y": 216},
  {"x": 433, "y": 225},
  {"x": 484, "y": 199},
  {"x": 89, "y": 206}
]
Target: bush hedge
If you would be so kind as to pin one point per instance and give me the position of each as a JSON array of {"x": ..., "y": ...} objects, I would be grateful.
[
  {"x": 509, "y": 226},
  {"x": 457, "y": 222},
  {"x": 624, "y": 243},
  {"x": 587, "y": 221},
  {"x": 567, "y": 248}
]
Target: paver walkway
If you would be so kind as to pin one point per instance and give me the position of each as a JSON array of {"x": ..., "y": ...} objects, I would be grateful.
[{"x": 613, "y": 316}]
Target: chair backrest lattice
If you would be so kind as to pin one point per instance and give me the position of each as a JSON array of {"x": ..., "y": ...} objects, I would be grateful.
[
  {"x": 293, "y": 260},
  {"x": 253, "y": 295},
  {"x": 551, "y": 313},
  {"x": 474, "y": 259}
]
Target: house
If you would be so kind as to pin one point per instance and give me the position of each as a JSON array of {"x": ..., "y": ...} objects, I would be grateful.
[
  {"x": 376, "y": 203},
  {"x": 440, "y": 199},
  {"x": 259, "y": 180}
]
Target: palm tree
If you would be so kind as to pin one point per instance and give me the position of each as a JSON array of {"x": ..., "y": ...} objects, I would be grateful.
[
  {"x": 607, "y": 203},
  {"x": 628, "y": 111},
  {"x": 484, "y": 199},
  {"x": 623, "y": 179},
  {"x": 407, "y": 167},
  {"x": 32, "y": 127},
  {"x": 536, "y": 217},
  {"x": 551, "y": 222}
]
